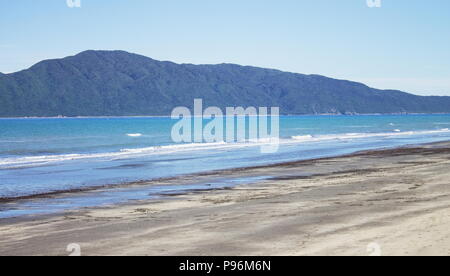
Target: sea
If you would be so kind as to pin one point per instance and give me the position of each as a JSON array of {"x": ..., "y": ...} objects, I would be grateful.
[{"x": 39, "y": 156}]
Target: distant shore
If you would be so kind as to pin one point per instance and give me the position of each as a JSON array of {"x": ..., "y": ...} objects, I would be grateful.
[
  {"x": 168, "y": 116},
  {"x": 386, "y": 202}
]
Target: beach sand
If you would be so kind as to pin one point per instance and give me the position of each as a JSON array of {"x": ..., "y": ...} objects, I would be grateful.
[{"x": 387, "y": 202}]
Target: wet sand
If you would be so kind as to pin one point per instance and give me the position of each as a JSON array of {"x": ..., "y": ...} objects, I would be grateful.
[{"x": 387, "y": 202}]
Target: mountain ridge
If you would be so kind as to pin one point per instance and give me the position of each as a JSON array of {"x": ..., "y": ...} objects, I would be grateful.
[{"x": 118, "y": 83}]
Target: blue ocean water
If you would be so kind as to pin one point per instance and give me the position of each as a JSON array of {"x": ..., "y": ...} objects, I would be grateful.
[{"x": 56, "y": 154}]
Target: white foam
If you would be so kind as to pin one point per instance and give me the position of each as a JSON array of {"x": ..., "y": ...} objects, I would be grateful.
[
  {"x": 12, "y": 162},
  {"x": 173, "y": 147},
  {"x": 268, "y": 140},
  {"x": 134, "y": 134},
  {"x": 345, "y": 136},
  {"x": 303, "y": 137}
]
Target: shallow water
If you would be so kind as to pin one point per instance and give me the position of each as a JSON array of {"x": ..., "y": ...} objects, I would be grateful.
[{"x": 45, "y": 155}]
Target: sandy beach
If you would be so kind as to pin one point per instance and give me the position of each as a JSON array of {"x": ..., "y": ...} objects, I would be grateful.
[{"x": 386, "y": 202}]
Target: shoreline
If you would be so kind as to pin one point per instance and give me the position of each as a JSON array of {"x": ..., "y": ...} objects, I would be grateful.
[
  {"x": 155, "y": 181},
  {"x": 168, "y": 116},
  {"x": 397, "y": 198}
]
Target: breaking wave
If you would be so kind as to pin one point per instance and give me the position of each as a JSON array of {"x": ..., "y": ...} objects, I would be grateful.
[
  {"x": 346, "y": 136},
  {"x": 27, "y": 161}
]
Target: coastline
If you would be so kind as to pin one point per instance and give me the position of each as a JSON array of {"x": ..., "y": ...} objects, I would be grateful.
[
  {"x": 172, "y": 180},
  {"x": 167, "y": 116},
  {"x": 327, "y": 206},
  {"x": 284, "y": 115}
]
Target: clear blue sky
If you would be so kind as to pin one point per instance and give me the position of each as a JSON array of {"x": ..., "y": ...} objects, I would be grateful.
[{"x": 405, "y": 44}]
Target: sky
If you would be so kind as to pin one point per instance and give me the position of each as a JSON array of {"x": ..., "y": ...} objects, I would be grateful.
[{"x": 404, "y": 44}]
